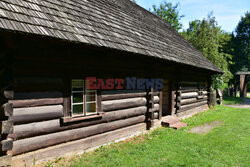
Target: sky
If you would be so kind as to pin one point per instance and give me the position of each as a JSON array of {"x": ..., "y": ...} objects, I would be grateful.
[{"x": 226, "y": 12}]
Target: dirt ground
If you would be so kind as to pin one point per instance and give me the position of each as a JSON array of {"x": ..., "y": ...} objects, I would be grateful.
[
  {"x": 245, "y": 104},
  {"x": 205, "y": 128}
]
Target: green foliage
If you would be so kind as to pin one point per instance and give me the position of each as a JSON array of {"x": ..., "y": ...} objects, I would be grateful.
[
  {"x": 169, "y": 13},
  {"x": 213, "y": 43},
  {"x": 226, "y": 145},
  {"x": 241, "y": 44}
]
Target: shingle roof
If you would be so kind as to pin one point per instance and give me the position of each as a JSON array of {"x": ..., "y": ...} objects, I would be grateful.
[{"x": 118, "y": 24}]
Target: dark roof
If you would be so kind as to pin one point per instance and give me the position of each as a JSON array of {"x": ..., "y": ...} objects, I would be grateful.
[
  {"x": 118, "y": 24},
  {"x": 243, "y": 73}
]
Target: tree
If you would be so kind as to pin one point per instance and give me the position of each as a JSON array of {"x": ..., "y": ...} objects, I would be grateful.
[
  {"x": 169, "y": 13},
  {"x": 241, "y": 44},
  {"x": 213, "y": 43}
]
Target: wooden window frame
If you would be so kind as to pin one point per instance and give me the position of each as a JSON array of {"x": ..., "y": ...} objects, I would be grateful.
[{"x": 68, "y": 105}]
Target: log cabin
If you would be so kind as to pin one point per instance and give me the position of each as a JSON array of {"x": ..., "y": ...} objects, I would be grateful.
[{"x": 49, "y": 48}]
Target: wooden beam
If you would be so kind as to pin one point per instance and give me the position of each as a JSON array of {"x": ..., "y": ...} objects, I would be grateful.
[
  {"x": 124, "y": 103},
  {"x": 191, "y": 100},
  {"x": 37, "y": 95},
  {"x": 36, "y": 102},
  {"x": 33, "y": 114},
  {"x": 189, "y": 95},
  {"x": 116, "y": 96},
  {"x": 6, "y": 145},
  {"x": 6, "y": 110},
  {"x": 6, "y": 126},
  {"x": 191, "y": 106},
  {"x": 52, "y": 126},
  {"x": 34, "y": 143}
]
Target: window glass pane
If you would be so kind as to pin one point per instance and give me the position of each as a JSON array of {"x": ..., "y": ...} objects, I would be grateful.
[
  {"x": 77, "y": 109},
  {"x": 77, "y": 85},
  {"x": 91, "y": 108},
  {"x": 77, "y": 97},
  {"x": 90, "y": 96}
]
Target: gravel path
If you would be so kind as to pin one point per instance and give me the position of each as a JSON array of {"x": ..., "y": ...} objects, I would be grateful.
[{"x": 245, "y": 104}]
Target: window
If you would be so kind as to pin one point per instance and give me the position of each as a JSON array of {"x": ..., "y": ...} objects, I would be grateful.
[{"x": 83, "y": 100}]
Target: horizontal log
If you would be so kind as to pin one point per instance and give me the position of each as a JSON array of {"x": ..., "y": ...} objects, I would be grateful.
[
  {"x": 189, "y": 90},
  {"x": 155, "y": 108},
  {"x": 6, "y": 110},
  {"x": 191, "y": 106},
  {"x": 34, "y": 143},
  {"x": 33, "y": 114},
  {"x": 122, "y": 104},
  {"x": 156, "y": 115},
  {"x": 37, "y": 95},
  {"x": 46, "y": 127},
  {"x": 156, "y": 99},
  {"x": 6, "y": 145},
  {"x": 122, "y": 96},
  {"x": 76, "y": 147},
  {"x": 189, "y": 95},
  {"x": 192, "y": 100},
  {"x": 6, "y": 126},
  {"x": 36, "y": 102},
  {"x": 37, "y": 84},
  {"x": 204, "y": 92},
  {"x": 6, "y": 95}
]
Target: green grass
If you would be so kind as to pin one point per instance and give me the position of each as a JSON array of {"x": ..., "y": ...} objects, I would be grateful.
[
  {"x": 226, "y": 145},
  {"x": 232, "y": 100}
]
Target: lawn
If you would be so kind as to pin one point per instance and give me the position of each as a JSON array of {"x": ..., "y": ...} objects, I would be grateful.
[{"x": 226, "y": 145}]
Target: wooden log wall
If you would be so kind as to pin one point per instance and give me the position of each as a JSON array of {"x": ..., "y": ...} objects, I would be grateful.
[
  {"x": 189, "y": 95},
  {"x": 6, "y": 109},
  {"x": 37, "y": 115}
]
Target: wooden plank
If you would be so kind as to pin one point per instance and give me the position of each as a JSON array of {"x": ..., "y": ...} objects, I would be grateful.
[
  {"x": 52, "y": 126},
  {"x": 33, "y": 114},
  {"x": 38, "y": 84},
  {"x": 74, "y": 147},
  {"x": 6, "y": 145},
  {"x": 81, "y": 118},
  {"x": 173, "y": 102},
  {"x": 99, "y": 102},
  {"x": 34, "y": 143},
  {"x": 124, "y": 103},
  {"x": 37, "y": 95},
  {"x": 36, "y": 102},
  {"x": 6, "y": 110},
  {"x": 6, "y": 126}
]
